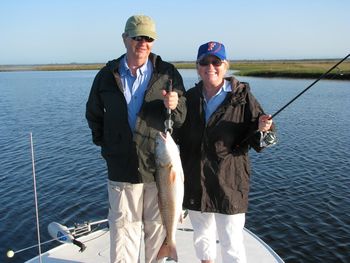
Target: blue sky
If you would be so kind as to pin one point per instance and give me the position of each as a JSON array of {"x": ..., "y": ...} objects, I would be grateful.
[{"x": 84, "y": 31}]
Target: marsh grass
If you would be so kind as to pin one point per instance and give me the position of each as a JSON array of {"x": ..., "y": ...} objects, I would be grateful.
[
  {"x": 263, "y": 68},
  {"x": 289, "y": 69},
  {"x": 52, "y": 67},
  {"x": 293, "y": 69}
]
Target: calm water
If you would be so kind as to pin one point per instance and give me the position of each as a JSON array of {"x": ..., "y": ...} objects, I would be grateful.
[{"x": 300, "y": 194}]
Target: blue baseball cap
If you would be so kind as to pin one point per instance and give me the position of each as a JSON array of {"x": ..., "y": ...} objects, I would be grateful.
[{"x": 212, "y": 48}]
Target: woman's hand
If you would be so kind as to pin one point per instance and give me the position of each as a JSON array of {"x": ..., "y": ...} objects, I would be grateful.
[{"x": 265, "y": 123}]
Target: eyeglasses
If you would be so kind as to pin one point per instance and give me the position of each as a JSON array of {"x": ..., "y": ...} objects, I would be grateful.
[
  {"x": 207, "y": 61},
  {"x": 141, "y": 38}
]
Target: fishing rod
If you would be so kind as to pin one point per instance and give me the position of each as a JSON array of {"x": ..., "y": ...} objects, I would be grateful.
[
  {"x": 168, "y": 123},
  {"x": 35, "y": 197},
  {"x": 58, "y": 232},
  {"x": 313, "y": 83},
  {"x": 11, "y": 253},
  {"x": 270, "y": 138}
]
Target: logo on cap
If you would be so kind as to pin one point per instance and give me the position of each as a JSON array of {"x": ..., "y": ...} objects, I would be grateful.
[{"x": 211, "y": 46}]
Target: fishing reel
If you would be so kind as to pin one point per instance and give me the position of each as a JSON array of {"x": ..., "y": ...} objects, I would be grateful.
[{"x": 269, "y": 138}]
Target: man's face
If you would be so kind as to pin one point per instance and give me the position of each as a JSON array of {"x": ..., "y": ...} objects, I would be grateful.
[{"x": 138, "y": 47}]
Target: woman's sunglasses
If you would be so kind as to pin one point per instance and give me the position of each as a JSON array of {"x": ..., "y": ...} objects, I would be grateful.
[
  {"x": 141, "y": 38},
  {"x": 207, "y": 61}
]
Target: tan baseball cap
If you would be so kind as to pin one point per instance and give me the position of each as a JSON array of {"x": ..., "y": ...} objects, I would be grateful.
[{"x": 140, "y": 25}]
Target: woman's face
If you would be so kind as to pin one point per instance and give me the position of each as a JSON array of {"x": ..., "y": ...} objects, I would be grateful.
[{"x": 212, "y": 70}]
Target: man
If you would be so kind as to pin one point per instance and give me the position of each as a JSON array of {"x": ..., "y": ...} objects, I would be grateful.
[{"x": 127, "y": 107}]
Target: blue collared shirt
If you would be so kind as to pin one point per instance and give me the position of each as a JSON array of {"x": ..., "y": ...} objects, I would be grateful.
[
  {"x": 213, "y": 103},
  {"x": 134, "y": 88}
]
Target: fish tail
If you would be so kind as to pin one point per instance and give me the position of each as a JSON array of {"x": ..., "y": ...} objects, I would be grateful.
[{"x": 167, "y": 250}]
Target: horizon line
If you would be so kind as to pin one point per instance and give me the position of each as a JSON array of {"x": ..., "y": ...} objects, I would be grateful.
[{"x": 170, "y": 61}]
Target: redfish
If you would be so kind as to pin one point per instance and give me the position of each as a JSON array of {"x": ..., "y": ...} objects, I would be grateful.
[{"x": 170, "y": 183}]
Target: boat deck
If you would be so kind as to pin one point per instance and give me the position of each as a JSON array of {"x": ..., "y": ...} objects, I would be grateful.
[{"x": 97, "y": 249}]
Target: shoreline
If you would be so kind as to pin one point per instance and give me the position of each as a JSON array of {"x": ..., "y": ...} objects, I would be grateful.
[{"x": 254, "y": 68}]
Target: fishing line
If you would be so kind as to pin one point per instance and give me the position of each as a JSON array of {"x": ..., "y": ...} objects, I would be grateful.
[{"x": 11, "y": 253}]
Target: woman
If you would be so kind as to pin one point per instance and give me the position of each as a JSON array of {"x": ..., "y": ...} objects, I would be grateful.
[{"x": 223, "y": 122}]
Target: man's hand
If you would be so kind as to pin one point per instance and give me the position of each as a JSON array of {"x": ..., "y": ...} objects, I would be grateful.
[{"x": 171, "y": 99}]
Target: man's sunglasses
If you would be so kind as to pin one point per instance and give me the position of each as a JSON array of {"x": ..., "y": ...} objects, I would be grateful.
[
  {"x": 141, "y": 38},
  {"x": 207, "y": 61}
]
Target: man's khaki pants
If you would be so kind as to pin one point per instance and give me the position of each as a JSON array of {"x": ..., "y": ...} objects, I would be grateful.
[{"x": 131, "y": 207}]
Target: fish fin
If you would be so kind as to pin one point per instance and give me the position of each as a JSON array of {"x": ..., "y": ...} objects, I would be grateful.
[
  {"x": 167, "y": 250},
  {"x": 163, "y": 135},
  {"x": 172, "y": 176}
]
